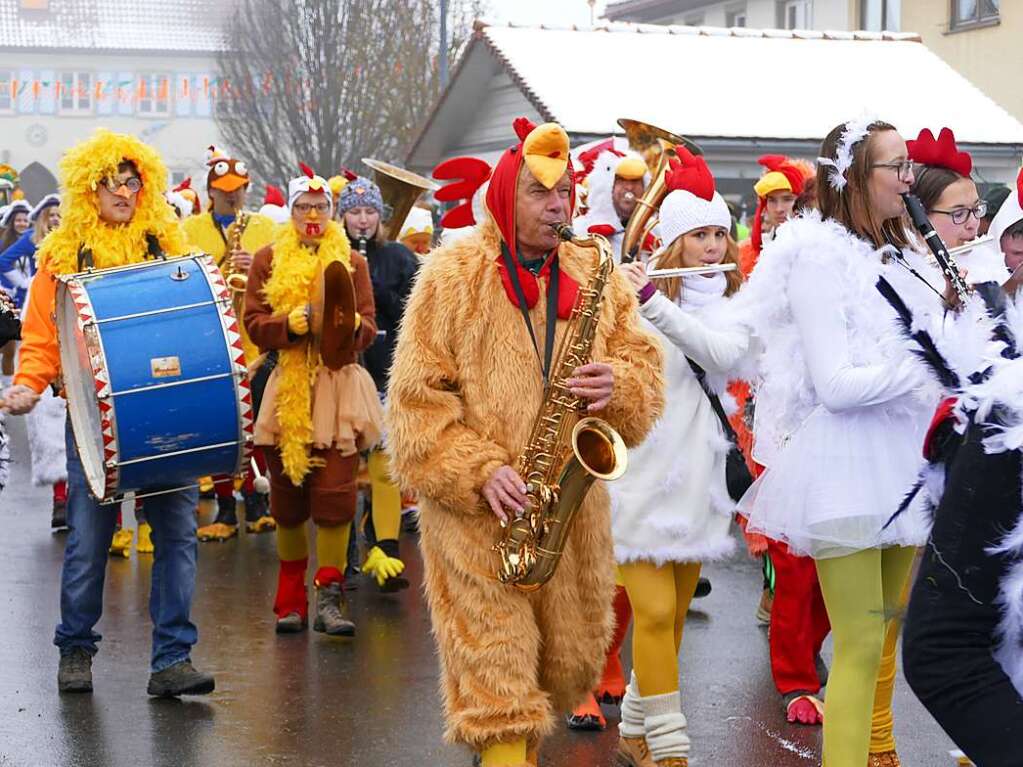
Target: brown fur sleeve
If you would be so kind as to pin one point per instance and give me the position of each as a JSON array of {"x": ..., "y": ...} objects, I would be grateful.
[
  {"x": 638, "y": 364},
  {"x": 432, "y": 450},
  {"x": 364, "y": 304},
  {"x": 267, "y": 330}
]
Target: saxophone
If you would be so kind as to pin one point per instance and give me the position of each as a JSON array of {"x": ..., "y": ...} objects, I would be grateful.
[
  {"x": 236, "y": 280},
  {"x": 565, "y": 452}
]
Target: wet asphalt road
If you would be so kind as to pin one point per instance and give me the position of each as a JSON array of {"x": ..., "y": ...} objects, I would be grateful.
[{"x": 312, "y": 701}]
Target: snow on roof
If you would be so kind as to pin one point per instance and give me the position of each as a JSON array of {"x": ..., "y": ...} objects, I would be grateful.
[
  {"x": 710, "y": 82},
  {"x": 117, "y": 25}
]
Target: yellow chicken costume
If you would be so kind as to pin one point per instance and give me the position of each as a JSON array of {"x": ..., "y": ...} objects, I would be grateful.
[{"x": 464, "y": 391}]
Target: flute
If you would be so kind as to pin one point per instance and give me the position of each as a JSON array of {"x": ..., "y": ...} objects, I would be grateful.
[{"x": 684, "y": 271}]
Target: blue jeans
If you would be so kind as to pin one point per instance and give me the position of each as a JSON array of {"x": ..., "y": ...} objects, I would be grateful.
[{"x": 172, "y": 517}]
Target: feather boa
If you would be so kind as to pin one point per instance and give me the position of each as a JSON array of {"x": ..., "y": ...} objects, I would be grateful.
[
  {"x": 294, "y": 267},
  {"x": 81, "y": 169}
]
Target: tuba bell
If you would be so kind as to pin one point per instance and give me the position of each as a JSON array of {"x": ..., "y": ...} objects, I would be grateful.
[
  {"x": 656, "y": 146},
  {"x": 400, "y": 189}
]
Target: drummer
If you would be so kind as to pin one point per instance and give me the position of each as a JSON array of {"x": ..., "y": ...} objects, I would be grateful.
[{"x": 112, "y": 213}]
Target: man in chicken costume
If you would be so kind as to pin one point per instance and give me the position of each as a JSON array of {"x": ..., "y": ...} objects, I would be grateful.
[
  {"x": 467, "y": 383},
  {"x": 615, "y": 181},
  {"x": 313, "y": 419},
  {"x": 213, "y": 232}
]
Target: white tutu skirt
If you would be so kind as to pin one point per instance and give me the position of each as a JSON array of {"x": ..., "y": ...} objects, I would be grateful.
[{"x": 837, "y": 481}]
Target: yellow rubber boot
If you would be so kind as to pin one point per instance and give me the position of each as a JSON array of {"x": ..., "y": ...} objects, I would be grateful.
[
  {"x": 145, "y": 543},
  {"x": 120, "y": 546}
]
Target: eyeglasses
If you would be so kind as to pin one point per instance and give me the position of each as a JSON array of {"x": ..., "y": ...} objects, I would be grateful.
[
  {"x": 113, "y": 185},
  {"x": 962, "y": 215},
  {"x": 305, "y": 207},
  {"x": 904, "y": 168}
]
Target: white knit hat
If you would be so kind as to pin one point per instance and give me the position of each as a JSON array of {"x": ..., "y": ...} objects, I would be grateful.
[
  {"x": 308, "y": 182},
  {"x": 683, "y": 211}
]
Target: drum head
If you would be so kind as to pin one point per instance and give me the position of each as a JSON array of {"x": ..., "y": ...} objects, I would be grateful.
[{"x": 78, "y": 346}]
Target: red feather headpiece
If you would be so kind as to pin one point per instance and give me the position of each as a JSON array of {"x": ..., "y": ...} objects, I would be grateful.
[
  {"x": 186, "y": 184},
  {"x": 306, "y": 170},
  {"x": 469, "y": 174},
  {"x": 1019, "y": 187},
  {"x": 943, "y": 153},
  {"x": 689, "y": 173},
  {"x": 274, "y": 196},
  {"x": 782, "y": 164}
]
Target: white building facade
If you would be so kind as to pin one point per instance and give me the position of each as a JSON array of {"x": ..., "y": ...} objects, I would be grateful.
[{"x": 146, "y": 67}]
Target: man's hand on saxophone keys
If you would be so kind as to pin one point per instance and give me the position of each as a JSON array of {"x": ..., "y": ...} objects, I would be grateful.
[
  {"x": 505, "y": 490},
  {"x": 241, "y": 260},
  {"x": 594, "y": 382}
]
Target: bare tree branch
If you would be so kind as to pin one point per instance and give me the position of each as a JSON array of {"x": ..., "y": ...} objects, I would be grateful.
[{"x": 328, "y": 82}]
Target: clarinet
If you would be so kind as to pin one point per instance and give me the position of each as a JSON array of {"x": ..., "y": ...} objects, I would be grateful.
[{"x": 922, "y": 224}]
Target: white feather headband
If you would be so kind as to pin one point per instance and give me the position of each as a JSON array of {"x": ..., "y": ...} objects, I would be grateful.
[{"x": 855, "y": 131}]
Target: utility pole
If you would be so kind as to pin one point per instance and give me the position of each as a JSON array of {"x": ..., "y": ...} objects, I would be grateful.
[
  {"x": 592, "y": 4},
  {"x": 443, "y": 44}
]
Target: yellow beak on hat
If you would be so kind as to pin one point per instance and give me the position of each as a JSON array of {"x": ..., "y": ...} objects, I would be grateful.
[
  {"x": 631, "y": 168},
  {"x": 772, "y": 181},
  {"x": 545, "y": 152}
]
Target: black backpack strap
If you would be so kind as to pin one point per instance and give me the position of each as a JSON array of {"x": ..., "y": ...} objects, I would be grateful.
[{"x": 153, "y": 248}]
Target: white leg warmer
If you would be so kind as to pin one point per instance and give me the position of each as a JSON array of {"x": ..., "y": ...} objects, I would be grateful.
[
  {"x": 632, "y": 724},
  {"x": 665, "y": 726}
]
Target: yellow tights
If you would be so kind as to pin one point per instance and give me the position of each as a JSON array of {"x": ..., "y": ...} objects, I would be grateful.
[
  {"x": 385, "y": 495},
  {"x": 331, "y": 545},
  {"x": 660, "y": 597},
  {"x": 511, "y": 754},
  {"x": 863, "y": 593}
]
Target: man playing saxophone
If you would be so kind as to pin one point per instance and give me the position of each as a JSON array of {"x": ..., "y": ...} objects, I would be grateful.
[
  {"x": 469, "y": 377},
  {"x": 231, "y": 235}
]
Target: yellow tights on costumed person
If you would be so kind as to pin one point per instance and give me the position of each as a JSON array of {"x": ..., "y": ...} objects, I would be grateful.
[
  {"x": 863, "y": 593},
  {"x": 652, "y": 725},
  {"x": 382, "y": 561},
  {"x": 505, "y": 754}
]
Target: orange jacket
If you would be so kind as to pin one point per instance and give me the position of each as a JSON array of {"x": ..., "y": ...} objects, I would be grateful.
[{"x": 39, "y": 355}]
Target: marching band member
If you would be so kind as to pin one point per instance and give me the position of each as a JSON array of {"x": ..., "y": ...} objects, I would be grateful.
[
  {"x": 392, "y": 268},
  {"x": 13, "y": 224},
  {"x": 616, "y": 182},
  {"x": 942, "y": 183},
  {"x": 10, "y": 330},
  {"x": 191, "y": 196},
  {"x": 777, "y": 191},
  {"x": 312, "y": 420},
  {"x": 467, "y": 383},
  {"x": 963, "y": 644},
  {"x": 227, "y": 183},
  {"x": 671, "y": 511},
  {"x": 417, "y": 231},
  {"x": 112, "y": 213},
  {"x": 843, "y": 408}
]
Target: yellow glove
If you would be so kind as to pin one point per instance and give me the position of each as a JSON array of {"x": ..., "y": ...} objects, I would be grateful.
[
  {"x": 381, "y": 566},
  {"x": 298, "y": 321}
]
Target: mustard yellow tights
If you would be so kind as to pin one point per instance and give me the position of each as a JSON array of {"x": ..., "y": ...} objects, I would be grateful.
[
  {"x": 660, "y": 597},
  {"x": 331, "y": 545},
  {"x": 386, "y": 497},
  {"x": 863, "y": 593},
  {"x": 511, "y": 754}
]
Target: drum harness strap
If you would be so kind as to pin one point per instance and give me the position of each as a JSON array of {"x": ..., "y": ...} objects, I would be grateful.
[{"x": 153, "y": 250}]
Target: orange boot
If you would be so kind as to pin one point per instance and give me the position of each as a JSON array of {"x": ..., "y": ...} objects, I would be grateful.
[{"x": 612, "y": 683}]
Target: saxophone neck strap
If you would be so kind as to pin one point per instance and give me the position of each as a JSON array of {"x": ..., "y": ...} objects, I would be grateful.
[{"x": 552, "y": 309}]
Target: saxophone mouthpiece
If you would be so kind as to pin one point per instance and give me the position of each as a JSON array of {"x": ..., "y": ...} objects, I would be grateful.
[{"x": 563, "y": 230}]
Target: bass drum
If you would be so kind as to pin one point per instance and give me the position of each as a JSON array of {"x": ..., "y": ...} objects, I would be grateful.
[{"x": 153, "y": 367}]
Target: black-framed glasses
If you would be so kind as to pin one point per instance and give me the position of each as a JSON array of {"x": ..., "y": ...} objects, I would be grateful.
[
  {"x": 903, "y": 168},
  {"x": 113, "y": 185},
  {"x": 305, "y": 207},
  {"x": 961, "y": 215}
]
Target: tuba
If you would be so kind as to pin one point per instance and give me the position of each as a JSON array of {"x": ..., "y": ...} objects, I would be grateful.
[
  {"x": 656, "y": 146},
  {"x": 400, "y": 189},
  {"x": 564, "y": 453}
]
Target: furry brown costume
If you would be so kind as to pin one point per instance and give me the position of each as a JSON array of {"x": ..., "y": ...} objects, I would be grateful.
[{"x": 464, "y": 392}]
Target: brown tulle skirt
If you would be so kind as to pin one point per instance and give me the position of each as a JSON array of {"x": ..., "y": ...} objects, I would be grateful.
[{"x": 347, "y": 414}]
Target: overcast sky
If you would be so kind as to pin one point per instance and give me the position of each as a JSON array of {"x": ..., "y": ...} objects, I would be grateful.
[{"x": 553, "y": 12}]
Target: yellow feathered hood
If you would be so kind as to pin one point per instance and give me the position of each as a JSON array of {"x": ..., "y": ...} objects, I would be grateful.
[{"x": 81, "y": 170}]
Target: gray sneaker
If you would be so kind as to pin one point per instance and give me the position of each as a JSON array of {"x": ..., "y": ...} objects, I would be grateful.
[
  {"x": 75, "y": 672},
  {"x": 330, "y": 617},
  {"x": 180, "y": 679}
]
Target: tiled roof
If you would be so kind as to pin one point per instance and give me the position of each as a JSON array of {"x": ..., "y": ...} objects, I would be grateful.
[{"x": 117, "y": 25}]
